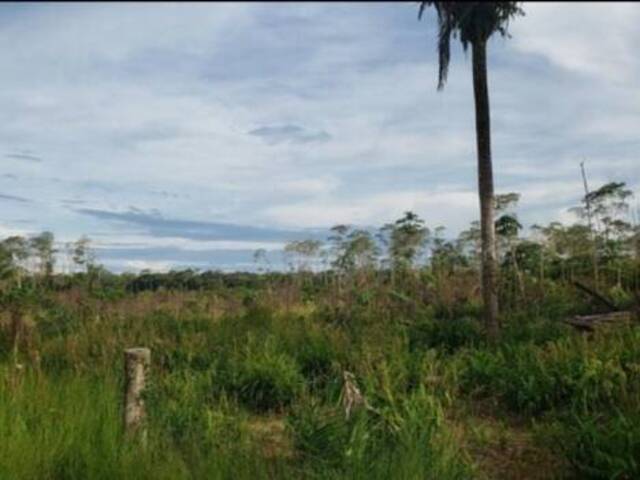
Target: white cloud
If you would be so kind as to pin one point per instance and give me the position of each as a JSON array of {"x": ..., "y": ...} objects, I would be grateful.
[
  {"x": 450, "y": 208},
  {"x": 123, "y": 103},
  {"x": 123, "y": 241},
  {"x": 597, "y": 39},
  {"x": 9, "y": 231},
  {"x": 156, "y": 266}
]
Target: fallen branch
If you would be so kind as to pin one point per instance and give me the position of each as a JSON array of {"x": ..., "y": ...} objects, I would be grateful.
[
  {"x": 608, "y": 303},
  {"x": 589, "y": 322}
]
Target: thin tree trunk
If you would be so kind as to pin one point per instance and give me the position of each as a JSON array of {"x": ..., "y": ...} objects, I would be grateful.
[
  {"x": 485, "y": 189},
  {"x": 16, "y": 333},
  {"x": 619, "y": 276},
  {"x": 594, "y": 245},
  {"x": 516, "y": 267}
]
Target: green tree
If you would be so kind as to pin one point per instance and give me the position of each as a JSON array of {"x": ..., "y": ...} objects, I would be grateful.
[
  {"x": 301, "y": 254},
  {"x": 446, "y": 255},
  {"x": 406, "y": 239},
  {"x": 43, "y": 247},
  {"x": 469, "y": 242},
  {"x": 14, "y": 251},
  {"x": 6, "y": 262},
  {"x": 609, "y": 207},
  {"x": 261, "y": 259},
  {"x": 567, "y": 248},
  {"x": 352, "y": 249},
  {"x": 82, "y": 254},
  {"x": 474, "y": 23},
  {"x": 338, "y": 247},
  {"x": 507, "y": 228}
]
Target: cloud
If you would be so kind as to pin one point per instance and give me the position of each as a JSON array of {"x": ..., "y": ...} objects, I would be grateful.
[
  {"x": 156, "y": 225},
  {"x": 14, "y": 198},
  {"x": 594, "y": 39},
  {"x": 167, "y": 258},
  {"x": 176, "y": 254},
  {"x": 299, "y": 115},
  {"x": 289, "y": 133},
  {"x": 165, "y": 194},
  {"x": 73, "y": 201},
  {"x": 9, "y": 231},
  {"x": 454, "y": 209},
  {"x": 126, "y": 241},
  {"x": 139, "y": 265},
  {"x": 24, "y": 156}
]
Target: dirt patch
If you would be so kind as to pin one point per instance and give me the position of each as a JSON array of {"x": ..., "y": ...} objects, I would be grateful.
[
  {"x": 271, "y": 435},
  {"x": 504, "y": 447}
]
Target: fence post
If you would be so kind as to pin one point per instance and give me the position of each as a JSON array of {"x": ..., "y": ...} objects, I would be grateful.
[{"x": 136, "y": 365}]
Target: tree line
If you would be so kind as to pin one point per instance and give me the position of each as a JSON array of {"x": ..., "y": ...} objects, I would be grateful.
[
  {"x": 607, "y": 248},
  {"x": 601, "y": 246}
]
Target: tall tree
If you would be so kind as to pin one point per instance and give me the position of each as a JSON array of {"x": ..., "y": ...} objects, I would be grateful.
[
  {"x": 83, "y": 255},
  {"x": 406, "y": 239},
  {"x": 43, "y": 247},
  {"x": 608, "y": 208},
  {"x": 14, "y": 251},
  {"x": 352, "y": 250},
  {"x": 302, "y": 254},
  {"x": 474, "y": 23},
  {"x": 261, "y": 259},
  {"x": 507, "y": 227}
]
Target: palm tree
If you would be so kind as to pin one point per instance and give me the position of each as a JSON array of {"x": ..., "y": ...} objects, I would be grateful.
[{"x": 474, "y": 23}]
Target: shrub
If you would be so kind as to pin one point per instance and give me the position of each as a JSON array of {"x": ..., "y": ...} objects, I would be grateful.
[
  {"x": 261, "y": 376},
  {"x": 406, "y": 439},
  {"x": 448, "y": 335},
  {"x": 522, "y": 329},
  {"x": 600, "y": 446},
  {"x": 319, "y": 432},
  {"x": 572, "y": 372}
]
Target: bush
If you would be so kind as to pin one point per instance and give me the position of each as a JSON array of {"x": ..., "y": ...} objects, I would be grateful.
[
  {"x": 602, "y": 446},
  {"x": 261, "y": 376},
  {"x": 523, "y": 330},
  {"x": 316, "y": 351},
  {"x": 406, "y": 439},
  {"x": 320, "y": 433},
  {"x": 571, "y": 372},
  {"x": 448, "y": 335}
]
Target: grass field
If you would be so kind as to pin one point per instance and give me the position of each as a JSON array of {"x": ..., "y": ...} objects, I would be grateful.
[{"x": 256, "y": 392}]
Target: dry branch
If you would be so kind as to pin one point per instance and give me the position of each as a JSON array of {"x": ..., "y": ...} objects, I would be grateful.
[
  {"x": 598, "y": 296},
  {"x": 589, "y": 322}
]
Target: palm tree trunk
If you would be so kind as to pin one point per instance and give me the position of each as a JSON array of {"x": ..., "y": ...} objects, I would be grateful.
[{"x": 485, "y": 188}]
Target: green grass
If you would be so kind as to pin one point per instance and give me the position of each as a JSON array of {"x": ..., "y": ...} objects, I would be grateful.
[
  {"x": 69, "y": 428},
  {"x": 257, "y": 395}
]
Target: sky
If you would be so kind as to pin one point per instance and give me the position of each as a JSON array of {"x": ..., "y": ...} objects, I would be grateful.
[{"x": 182, "y": 135}]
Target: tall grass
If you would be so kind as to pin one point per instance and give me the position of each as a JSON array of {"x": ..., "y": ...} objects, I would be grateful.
[
  {"x": 256, "y": 394},
  {"x": 69, "y": 428}
]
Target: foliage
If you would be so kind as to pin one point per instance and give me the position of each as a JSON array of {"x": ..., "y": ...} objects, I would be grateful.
[
  {"x": 473, "y": 22},
  {"x": 248, "y": 367}
]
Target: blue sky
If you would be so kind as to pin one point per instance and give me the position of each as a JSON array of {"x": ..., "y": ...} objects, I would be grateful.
[{"x": 193, "y": 134}]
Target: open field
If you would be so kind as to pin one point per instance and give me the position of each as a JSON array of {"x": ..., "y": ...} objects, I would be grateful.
[
  {"x": 244, "y": 384},
  {"x": 319, "y": 240}
]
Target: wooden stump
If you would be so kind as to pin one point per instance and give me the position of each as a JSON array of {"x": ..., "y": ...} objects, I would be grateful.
[
  {"x": 352, "y": 399},
  {"x": 136, "y": 365}
]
